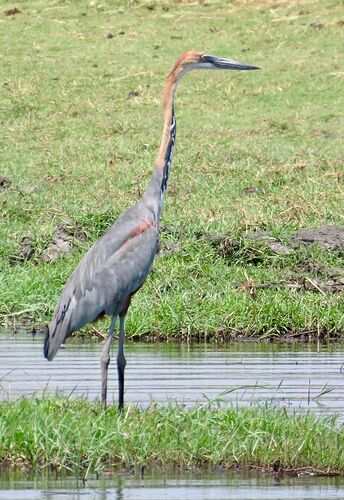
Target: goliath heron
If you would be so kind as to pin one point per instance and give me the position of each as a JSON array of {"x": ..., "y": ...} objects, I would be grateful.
[{"x": 117, "y": 265}]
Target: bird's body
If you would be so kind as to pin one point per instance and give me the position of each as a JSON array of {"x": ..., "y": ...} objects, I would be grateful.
[
  {"x": 112, "y": 270},
  {"x": 117, "y": 265}
]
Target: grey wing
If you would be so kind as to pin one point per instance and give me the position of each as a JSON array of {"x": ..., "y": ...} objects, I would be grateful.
[{"x": 107, "y": 274}]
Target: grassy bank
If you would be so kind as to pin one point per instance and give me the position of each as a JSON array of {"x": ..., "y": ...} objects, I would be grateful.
[
  {"x": 80, "y": 124},
  {"x": 79, "y": 436}
]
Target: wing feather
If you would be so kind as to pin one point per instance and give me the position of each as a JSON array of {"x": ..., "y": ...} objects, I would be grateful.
[{"x": 115, "y": 266}]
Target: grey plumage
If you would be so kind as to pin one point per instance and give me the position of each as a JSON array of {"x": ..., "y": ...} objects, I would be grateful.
[{"x": 110, "y": 272}]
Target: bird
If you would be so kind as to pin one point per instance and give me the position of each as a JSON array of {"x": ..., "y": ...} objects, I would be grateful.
[{"x": 116, "y": 266}]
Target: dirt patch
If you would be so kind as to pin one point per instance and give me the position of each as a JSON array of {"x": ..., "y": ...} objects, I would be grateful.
[
  {"x": 316, "y": 269},
  {"x": 251, "y": 244},
  {"x": 329, "y": 237},
  {"x": 26, "y": 251},
  {"x": 61, "y": 243},
  {"x": 4, "y": 182},
  {"x": 12, "y": 12},
  {"x": 169, "y": 247},
  {"x": 304, "y": 284},
  {"x": 259, "y": 247},
  {"x": 316, "y": 25},
  {"x": 132, "y": 94},
  {"x": 253, "y": 248}
]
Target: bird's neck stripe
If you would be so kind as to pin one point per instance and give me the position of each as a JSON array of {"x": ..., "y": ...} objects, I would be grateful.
[{"x": 169, "y": 153}]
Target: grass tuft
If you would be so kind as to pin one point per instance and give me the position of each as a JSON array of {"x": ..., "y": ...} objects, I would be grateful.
[{"x": 81, "y": 437}]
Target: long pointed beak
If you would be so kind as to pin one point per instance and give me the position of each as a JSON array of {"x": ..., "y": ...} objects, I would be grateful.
[{"x": 224, "y": 63}]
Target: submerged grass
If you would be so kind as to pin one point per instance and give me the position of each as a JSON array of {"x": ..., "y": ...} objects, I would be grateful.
[
  {"x": 79, "y": 436},
  {"x": 80, "y": 123}
]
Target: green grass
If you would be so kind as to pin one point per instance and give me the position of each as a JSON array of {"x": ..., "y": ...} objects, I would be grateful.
[
  {"x": 79, "y": 149},
  {"x": 80, "y": 437}
]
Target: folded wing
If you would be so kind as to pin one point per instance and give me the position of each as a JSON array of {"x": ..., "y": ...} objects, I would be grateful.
[{"x": 112, "y": 270}]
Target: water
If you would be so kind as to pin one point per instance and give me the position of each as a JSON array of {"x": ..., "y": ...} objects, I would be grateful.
[
  {"x": 296, "y": 377},
  {"x": 217, "y": 486}
]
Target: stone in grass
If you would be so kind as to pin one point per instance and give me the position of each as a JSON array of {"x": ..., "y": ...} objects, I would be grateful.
[
  {"x": 330, "y": 237},
  {"x": 274, "y": 245},
  {"x": 61, "y": 243},
  {"x": 251, "y": 190},
  {"x": 213, "y": 237}
]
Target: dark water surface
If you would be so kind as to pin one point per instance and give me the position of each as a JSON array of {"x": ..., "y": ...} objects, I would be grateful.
[
  {"x": 297, "y": 376},
  {"x": 215, "y": 486}
]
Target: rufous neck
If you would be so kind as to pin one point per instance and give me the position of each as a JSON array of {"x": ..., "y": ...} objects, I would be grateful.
[{"x": 168, "y": 99}]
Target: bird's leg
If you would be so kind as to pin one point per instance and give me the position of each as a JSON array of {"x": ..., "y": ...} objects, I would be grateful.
[
  {"x": 121, "y": 362},
  {"x": 105, "y": 360}
]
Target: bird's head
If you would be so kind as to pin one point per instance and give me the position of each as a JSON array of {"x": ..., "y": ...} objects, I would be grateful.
[{"x": 194, "y": 59}]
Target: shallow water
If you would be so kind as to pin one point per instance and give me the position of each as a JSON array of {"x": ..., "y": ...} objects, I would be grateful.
[
  {"x": 293, "y": 375},
  {"x": 217, "y": 486}
]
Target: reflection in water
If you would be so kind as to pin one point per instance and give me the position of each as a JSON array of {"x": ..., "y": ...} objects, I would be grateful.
[
  {"x": 294, "y": 376},
  {"x": 215, "y": 486}
]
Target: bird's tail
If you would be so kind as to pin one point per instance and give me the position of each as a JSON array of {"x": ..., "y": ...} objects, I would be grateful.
[
  {"x": 58, "y": 330},
  {"x": 48, "y": 353}
]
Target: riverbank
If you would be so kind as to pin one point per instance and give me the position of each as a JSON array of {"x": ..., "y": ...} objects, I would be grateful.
[
  {"x": 258, "y": 157},
  {"x": 77, "y": 436}
]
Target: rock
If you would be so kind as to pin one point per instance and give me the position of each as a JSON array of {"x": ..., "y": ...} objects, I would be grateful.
[
  {"x": 316, "y": 25},
  {"x": 278, "y": 248},
  {"x": 251, "y": 190},
  {"x": 261, "y": 236},
  {"x": 274, "y": 245},
  {"x": 330, "y": 237},
  {"x": 214, "y": 237}
]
